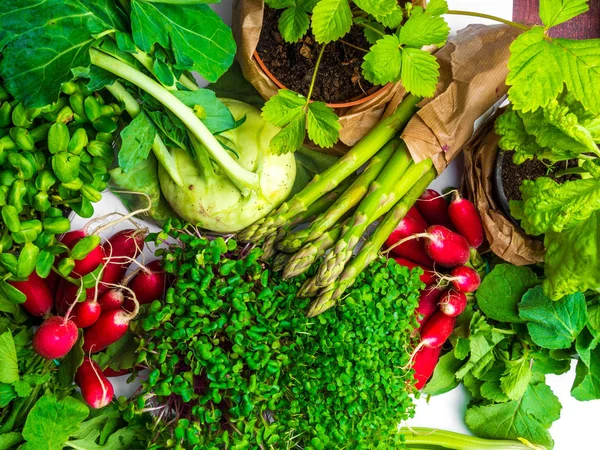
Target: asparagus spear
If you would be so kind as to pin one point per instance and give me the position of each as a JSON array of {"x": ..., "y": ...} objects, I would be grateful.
[
  {"x": 329, "y": 296},
  {"x": 393, "y": 183},
  {"x": 349, "y": 199},
  {"x": 334, "y": 175},
  {"x": 301, "y": 261},
  {"x": 308, "y": 288},
  {"x": 280, "y": 261}
]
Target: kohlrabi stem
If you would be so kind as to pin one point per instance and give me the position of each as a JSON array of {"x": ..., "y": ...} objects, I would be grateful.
[
  {"x": 487, "y": 16},
  {"x": 314, "y": 75},
  {"x": 147, "y": 61},
  {"x": 245, "y": 180},
  {"x": 159, "y": 148},
  {"x": 202, "y": 158},
  {"x": 456, "y": 441}
]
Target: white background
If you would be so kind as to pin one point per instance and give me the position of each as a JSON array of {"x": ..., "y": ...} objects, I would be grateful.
[{"x": 576, "y": 429}]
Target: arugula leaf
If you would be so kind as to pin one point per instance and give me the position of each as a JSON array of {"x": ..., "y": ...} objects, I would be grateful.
[
  {"x": 205, "y": 46},
  {"x": 553, "y": 324},
  {"x": 283, "y": 108},
  {"x": 384, "y": 61},
  {"x": 291, "y": 136},
  {"x": 516, "y": 379},
  {"x": 293, "y": 24},
  {"x": 137, "y": 139},
  {"x": 424, "y": 29},
  {"x": 572, "y": 259},
  {"x": 529, "y": 418},
  {"x": 9, "y": 369},
  {"x": 331, "y": 20},
  {"x": 443, "y": 379},
  {"x": 216, "y": 117},
  {"x": 502, "y": 289},
  {"x": 555, "y": 12},
  {"x": 322, "y": 124},
  {"x": 51, "y": 421}
]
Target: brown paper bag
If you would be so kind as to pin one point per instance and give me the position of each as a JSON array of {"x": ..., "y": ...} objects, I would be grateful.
[
  {"x": 506, "y": 240},
  {"x": 473, "y": 68},
  {"x": 356, "y": 121}
]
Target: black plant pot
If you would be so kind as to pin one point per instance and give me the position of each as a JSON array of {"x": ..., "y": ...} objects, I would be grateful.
[{"x": 499, "y": 194}]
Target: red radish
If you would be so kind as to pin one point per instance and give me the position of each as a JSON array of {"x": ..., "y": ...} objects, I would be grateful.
[
  {"x": 413, "y": 250},
  {"x": 96, "y": 390},
  {"x": 445, "y": 247},
  {"x": 433, "y": 208},
  {"x": 86, "y": 313},
  {"x": 436, "y": 330},
  {"x": 72, "y": 237},
  {"x": 120, "y": 250},
  {"x": 39, "y": 301},
  {"x": 466, "y": 220},
  {"x": 68, "y": 294},
  {"x": 414, "y": 214},
  {"x": 91, "y": 261},
  {"x": 453, "y": 303},
  {"x": 55, "y": 337},
  {"x": 465, "y": 279},
  {"x": 428, "y": 277},
  {"x": 424, "y": 364},
  {"x": 53, "y": 281},
  {"x": 110, "y": 327},
  {"x": 113, "y": 299},
  {"x": 108, "y": 372},
  {"x": 148, "y": 284},
  {"x": 428, "y": 304}
]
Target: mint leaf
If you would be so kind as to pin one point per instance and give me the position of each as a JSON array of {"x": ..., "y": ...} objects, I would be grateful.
[
  {"x": 529, "y": 418},
  {"x": 437, "y": 7},
  {"x": 420, "y": 72},
  {"x": 383, "y": 62},
  {"x": 50, "y": 422},
  {"x": 555, "y": 12},
  {"x": 323, "y": 124},
  {"x": 137, "y": 139},
  {"x": 331, "y": 20},
  {"x": 293, "y": 24},
  {"x": 553, "y": 324},
  {"x": 516, "y": 379},
  {"x": 283, "y": 108},
  {"x": 290, "y": 137},
  {"x": 443, "y": 379},
  {"x": 502, "y": 289},
  {"x": 423, "y": 29},
  {"x": 9, "y": 369},
  {"x": 198, "y": 37}
]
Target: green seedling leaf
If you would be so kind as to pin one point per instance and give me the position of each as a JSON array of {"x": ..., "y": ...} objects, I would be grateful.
[
  {"x": 555, "y": 12},
  {"x": 11, "y": 294},
  {"x": 420, "y": 72},
  {"x": 373, "y": 32},
  {"x": 443, "y": 379},
  {"x": 217, "y": 116},
  {"x": 437, "y": 7},
  {"x": 323, "y": 125},
  {"x": 331, "y": 20},
  {"x": 423, "y": 29},
  {"x": 207, "y": 49},
  {"x": 502, "y": 289},
  {"x": 280, "y": 4},
  {"x": 44, "y": 264},
  {"x": 66, "y": 166},
  {"x": 379, "y": 8},
  {"x": 283, "y": 108},
  {"x": 51, "y": 421},
  {"x": 529, "y": 417},
  {"x": 9, "y": 369},
  {"x": 84, "y": 246},
  {"x": 291, "y": 136},
  {"x": 27, "y": 260},
  {"x": 293, "y": 24},
  {"x": 553, "y": 324},
  {"x": 383, "y": 62},
  {"x": 137, "y": 139}
]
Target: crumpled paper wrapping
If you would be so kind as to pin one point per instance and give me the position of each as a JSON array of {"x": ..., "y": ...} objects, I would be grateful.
[
  {"x": 506, "y": 240},
  {"x": 356, "y": 121},
  {"x": 473, "y": 70}
]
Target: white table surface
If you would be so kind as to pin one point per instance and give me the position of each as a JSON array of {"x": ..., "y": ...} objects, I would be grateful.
[{"x": 575, "y": 430}]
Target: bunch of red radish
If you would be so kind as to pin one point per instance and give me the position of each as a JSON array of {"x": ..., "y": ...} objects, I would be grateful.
[
  {"x": 438, "y": 237},
  {"x": 103, "y": 311}
]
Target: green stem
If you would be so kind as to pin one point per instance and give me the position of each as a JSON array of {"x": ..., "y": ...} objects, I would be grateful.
[
  {"x": 571, "y": 170},
  {"x": 245, "y": 180},
  {"x": 456, "y": 441},
  {"x": 159, "y": 148},
  {"x": 202, "y": 158},
  {"x": 501, "y": 331},
  {"x": 487, "y": 16},
  {"x": 314, "y": 75}
]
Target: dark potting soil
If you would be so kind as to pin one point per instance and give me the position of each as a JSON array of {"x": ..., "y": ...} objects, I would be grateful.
[
  {"x": 513, "y": 174},
  {"x": 340, "y": 75}
]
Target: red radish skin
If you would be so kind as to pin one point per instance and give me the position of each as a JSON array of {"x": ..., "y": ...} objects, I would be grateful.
[
  {"x": 436, "y": 330},
  {"x": 91, "y": 261},
  {"x": 433, "y": 208},
  {"x": 428, "y": 304},
  {"x": 55, "y": 337},
  {"x": 96, "y": 390},
  {"x": 445, "y": 247},
  {"x": 39, "y": 301},
  {"x": 465, "y": 279},
  {"x": 72, "y": 237},
  {"x": 424, "y": 364},
  {"x": 120, "y": 249},
  {"x": 428, "y": 277},
  {"x": 112, "y": 300},
  {"x": 86, "y": 313},
  {"x": 110, "y": 327},
  {"x": 413, "y": 250},
  {"x": 148, "y": 285},
  {"x": 68, "y": 294},
  {"x": 414, "y": 214},
  {"x": 452, "y": 303},
  {"x": 466, "y": 220},
  {"x": 108, "y": 372}
]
